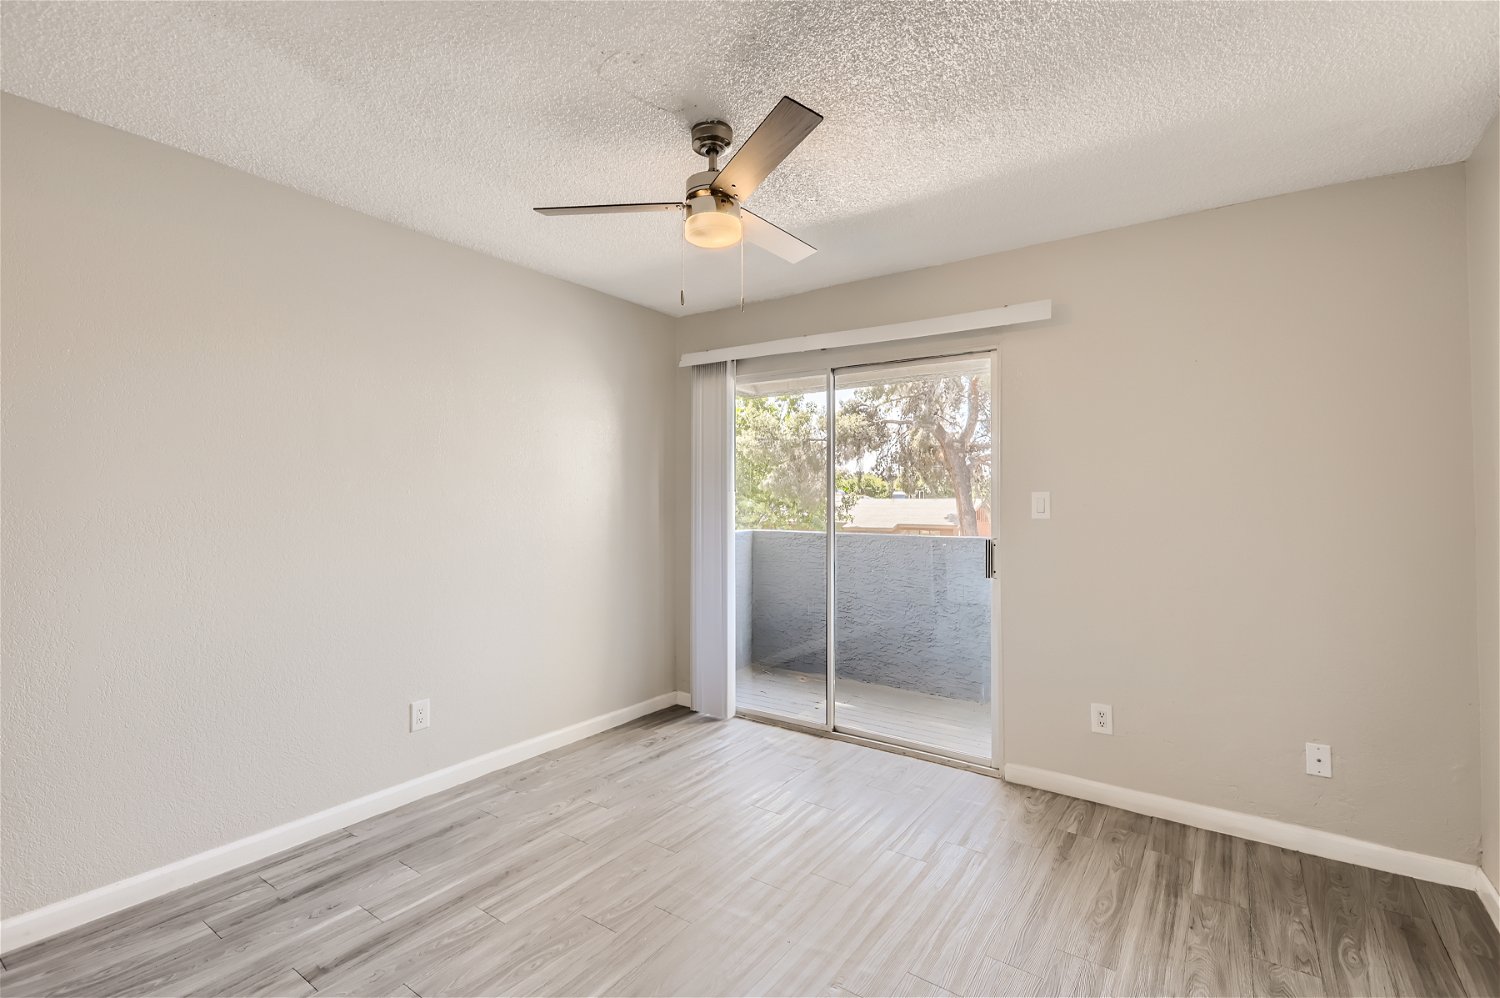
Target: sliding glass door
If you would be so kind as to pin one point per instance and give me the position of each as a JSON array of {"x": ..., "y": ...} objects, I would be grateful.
[
  {"x": 912, "y": 656},
  {"x": 781, "y": 488},
  {"x": 863, "y": 552}
]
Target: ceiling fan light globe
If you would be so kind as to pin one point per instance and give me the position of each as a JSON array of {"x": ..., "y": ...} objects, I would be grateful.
[{"x": 713, "y": 229}]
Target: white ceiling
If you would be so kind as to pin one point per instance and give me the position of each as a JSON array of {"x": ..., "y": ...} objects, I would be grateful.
[{"x": 951, "y": 130}]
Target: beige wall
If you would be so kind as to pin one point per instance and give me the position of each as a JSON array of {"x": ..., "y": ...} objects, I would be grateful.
[
  {"x": 1255, "y": 426},
  {"x": 1482, "y": 173},
  {"x": 272, "y": 469}
]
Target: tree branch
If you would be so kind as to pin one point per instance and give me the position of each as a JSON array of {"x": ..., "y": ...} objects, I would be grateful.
[{"x": 972, "y": 422}]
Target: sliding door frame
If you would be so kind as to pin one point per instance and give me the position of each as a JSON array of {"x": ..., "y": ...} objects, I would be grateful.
[
  {"x": 830, "y": 726},
  {"x": 830, "y": 553}
]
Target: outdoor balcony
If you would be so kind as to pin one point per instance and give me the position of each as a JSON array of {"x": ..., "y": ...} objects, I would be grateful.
[{"x": 913, "y": 634}]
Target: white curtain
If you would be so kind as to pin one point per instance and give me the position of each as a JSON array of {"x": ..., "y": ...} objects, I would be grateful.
[{"x": 713, "y": 539}]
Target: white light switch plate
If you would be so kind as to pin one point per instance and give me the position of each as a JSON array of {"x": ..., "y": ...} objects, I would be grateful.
[{"x": 1041, "y": 505}]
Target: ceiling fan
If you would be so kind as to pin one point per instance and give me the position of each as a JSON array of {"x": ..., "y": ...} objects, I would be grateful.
[{"x": 713, "y": 217}]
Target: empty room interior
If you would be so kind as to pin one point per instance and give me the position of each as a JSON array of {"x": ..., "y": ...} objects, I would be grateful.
[{"x": 666, "y": 498}]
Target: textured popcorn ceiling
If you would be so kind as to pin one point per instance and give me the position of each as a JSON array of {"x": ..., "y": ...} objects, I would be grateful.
[{"x": 952, "y": 129}]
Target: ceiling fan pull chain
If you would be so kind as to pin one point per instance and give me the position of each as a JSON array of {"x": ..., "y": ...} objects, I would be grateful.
[
  {"x": 742, "y": 275},
  {"x": 682, "y": 254}
]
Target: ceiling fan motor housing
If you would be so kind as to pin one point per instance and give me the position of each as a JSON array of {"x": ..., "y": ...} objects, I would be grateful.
[
  {"x": 700, "y": 196},
  {"x": 700, "y": 183}
]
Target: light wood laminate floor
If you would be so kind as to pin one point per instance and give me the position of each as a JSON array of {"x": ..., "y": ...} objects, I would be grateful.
[{"x": 678, "y": 855}]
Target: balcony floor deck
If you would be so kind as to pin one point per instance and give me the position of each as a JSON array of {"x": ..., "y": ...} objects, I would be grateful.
[{"x": 948, "y": 725}]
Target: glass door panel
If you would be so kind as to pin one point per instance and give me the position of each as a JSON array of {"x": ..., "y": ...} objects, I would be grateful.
[
  {"x": 911, "y": 508},
  {"x": 781, "y": 548}
]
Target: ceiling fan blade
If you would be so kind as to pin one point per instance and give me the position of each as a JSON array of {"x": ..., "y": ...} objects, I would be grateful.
[
  {"x": 777, "y": 240},
  {"x": 609, "y": 209},
  {"x": 771, "y": 142}
]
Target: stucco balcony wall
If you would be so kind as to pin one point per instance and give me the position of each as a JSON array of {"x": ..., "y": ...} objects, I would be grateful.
[{"x": 913, "y": 611}]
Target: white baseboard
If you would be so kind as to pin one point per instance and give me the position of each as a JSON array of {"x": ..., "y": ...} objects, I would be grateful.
[
  {"x": 1487, "y": 894},
  {"x": 684, "y": 699},
  {"x": 21, "y": 930},
  {"x": 1329, "y": 845}
]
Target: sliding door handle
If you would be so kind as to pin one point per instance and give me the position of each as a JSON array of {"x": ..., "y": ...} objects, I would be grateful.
[{"x": 991, "y": 566}]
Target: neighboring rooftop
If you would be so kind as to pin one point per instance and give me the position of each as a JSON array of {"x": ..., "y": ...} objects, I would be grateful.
[{"x": 904, "y": 515}]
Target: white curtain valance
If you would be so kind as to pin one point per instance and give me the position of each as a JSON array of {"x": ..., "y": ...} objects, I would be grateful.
[{"x": 941, "y": 325}]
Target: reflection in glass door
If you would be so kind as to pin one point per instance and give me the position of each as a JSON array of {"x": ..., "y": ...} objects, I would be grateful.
[
  {"x": 781, "y": 548},
  {"x": 911, "y": 509}
]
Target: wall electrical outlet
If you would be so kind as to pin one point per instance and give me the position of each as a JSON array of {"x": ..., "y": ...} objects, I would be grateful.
[
  {"x": 1319, "y": 760},
  {"x": 1101, "y": 719},
  {"x": 421, "y": 714}
]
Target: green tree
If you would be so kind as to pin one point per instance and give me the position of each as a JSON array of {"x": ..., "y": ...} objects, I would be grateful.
[
  {"x": 780, "y": 453},
  {"x": 862, "y": 483},
  {"x": 928, "y": 436},
  {"x": 931, "y": 436}
]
